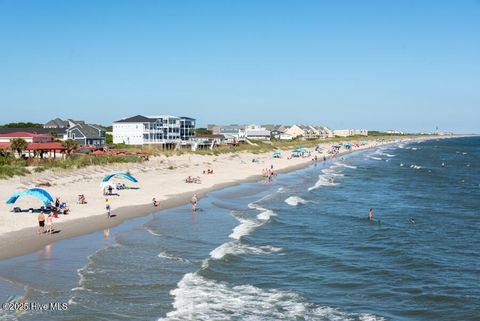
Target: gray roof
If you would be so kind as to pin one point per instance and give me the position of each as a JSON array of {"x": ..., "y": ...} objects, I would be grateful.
[
  {"x": 135, "y": 119},
  {"x": 271, "y": 126},
  {"x": 188, "y": 118},
  {"x": 57, "y": 122},
  {"x": 89, "y": 131},
  {"x": 59, "y": 131},
  {"x": 144, "y": 119}
]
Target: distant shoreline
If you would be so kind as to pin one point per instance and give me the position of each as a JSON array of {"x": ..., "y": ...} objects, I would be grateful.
[{"x": 24, "y": 241}]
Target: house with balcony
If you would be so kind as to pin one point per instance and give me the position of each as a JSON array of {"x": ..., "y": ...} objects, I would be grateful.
[
  {"x": 161, "y": 130},
  {"x": 233, "y": 134},
  {"x": 309, "y": 132},
  {"x": 206, "y": 141},
  {"x": 256, "y": 132},
  {"x": 350, "y": 132}
]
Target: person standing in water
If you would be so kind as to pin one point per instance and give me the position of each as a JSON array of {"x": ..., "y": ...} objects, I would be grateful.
[
  {"x": 108, "y": 208},
  {"x": 194, "y": 202},
  {"x": 370, "y": 215}
]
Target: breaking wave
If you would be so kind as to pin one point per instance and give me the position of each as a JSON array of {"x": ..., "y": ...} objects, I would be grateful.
[
  {"x": 295, "y": 200},
  {"x": 198, "y": 298}
]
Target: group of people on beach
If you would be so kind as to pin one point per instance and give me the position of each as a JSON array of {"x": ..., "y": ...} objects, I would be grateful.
[
  {"x": 41, "y": 223},
  {"x": 268, "y": 173}
]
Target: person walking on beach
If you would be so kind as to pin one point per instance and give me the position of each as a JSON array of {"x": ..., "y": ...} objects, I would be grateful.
[
  {"x": 370, "y": 215},
  {"x": 49, "y": 224},
  {"x": 41, "y": 223},
  {"x": 194, "y": 202},
  {"x": 108, "y": 208}
]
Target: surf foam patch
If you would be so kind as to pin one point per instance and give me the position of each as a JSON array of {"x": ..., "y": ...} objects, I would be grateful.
[{"x": 198, "y": 298}]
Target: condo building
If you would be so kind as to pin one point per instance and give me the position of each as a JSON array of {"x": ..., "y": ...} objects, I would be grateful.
[{"x": 154, "y": 130}]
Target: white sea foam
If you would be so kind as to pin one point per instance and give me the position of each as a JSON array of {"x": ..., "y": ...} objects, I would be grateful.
[
  {"x": 402, "y": 164},
  {"x": 382, "y": 153},
  {"x": 171, "y": 257},
  {"x": 255, "y": 206},
  {"x": 236, "y": 248},
  {"x": 322, "y": 181},
  {"x": 244, "y": 228},
  {"x": 152, "y": 232},
  {"x": 295, "y": 200},
  {"x": 198, "y": 298},
  {"x": 331, "y": 172},
  {"x": 338, "y": 164},
  {"x": 416, "y": 166},
  {"x": 265, "y": 215},
  {"x": 375, "y": 158}
]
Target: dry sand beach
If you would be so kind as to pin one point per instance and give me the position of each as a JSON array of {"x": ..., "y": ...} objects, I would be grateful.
[{"x": 161, "y": 177}]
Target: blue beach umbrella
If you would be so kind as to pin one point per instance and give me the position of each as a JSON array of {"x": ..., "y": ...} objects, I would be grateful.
[
  {"x": 124, "y": 175},
  {"x": 39, "y": 193}
]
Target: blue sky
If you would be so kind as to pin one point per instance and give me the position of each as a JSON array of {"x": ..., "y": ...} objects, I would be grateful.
[{"x": 409, "y": 65}]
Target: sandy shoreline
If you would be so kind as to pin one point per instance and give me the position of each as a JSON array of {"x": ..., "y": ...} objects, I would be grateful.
[{"x": 18, "y": 231}]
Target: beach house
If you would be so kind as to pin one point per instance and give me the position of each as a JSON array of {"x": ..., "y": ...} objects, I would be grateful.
[
  {"x": 87, "y": 135},
  {"x": 309, "y": 132},
  {"x": 256, "y": 132},
  {"x": 233, "y": 134},
  {"x": 164, "y": 130},
  {"x": 350, "y": 132},
  {"x": 206, "y": 141}
]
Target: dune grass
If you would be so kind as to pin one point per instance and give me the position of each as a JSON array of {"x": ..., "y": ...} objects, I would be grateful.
[{"x": 7, "y": 171}]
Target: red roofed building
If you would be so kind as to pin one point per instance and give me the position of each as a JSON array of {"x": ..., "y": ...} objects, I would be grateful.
[
  {"x": 47, "y": 149},
  {"x": 28, "y": 137}
]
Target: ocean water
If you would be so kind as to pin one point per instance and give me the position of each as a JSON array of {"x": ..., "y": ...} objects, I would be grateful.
[{"x": 300, "y": 248}]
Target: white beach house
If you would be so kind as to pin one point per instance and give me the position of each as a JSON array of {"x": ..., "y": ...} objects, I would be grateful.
[
  {"x": 154, "y": 130},
  {"x": 350, "y": 132},
  {"x": 257, "y": 132},
  {"x": 309, "y": 132}
]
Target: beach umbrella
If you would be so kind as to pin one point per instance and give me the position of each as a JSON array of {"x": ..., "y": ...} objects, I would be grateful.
[
  {"x": 39, "y": 193},
  {"x": 107, "y": 184},
  {"x": 123, "y": 175}
]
